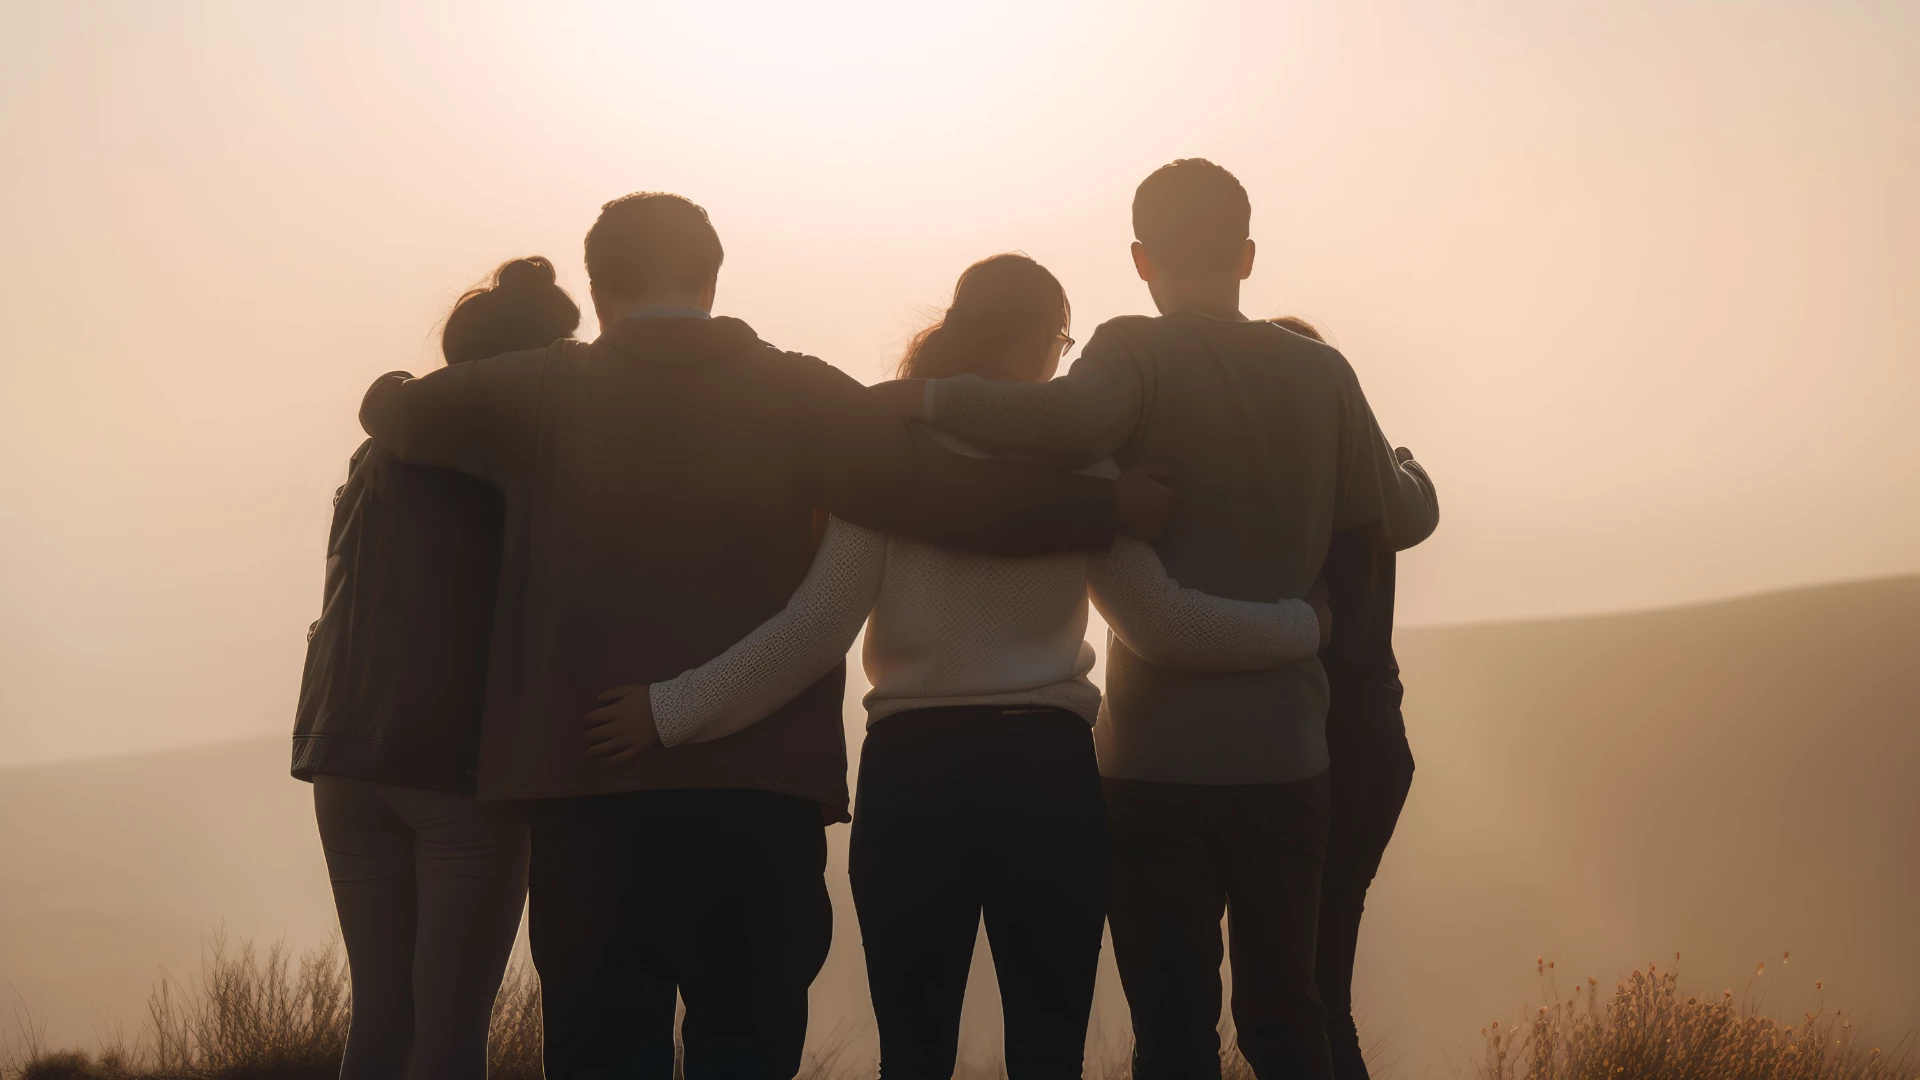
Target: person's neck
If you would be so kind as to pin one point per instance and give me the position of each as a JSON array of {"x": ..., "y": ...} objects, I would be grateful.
[
  {"x": 1214, "y": 299},
  {"x": 614, "y": 308}
]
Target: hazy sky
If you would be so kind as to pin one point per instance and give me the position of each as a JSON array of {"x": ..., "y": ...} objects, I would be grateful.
[{"x": 1639, "y": 281}]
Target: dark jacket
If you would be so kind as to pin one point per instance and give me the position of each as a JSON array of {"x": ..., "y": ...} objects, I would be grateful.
[
  {"x": 660, "y": 485},
  {"x": 397, "y": 663},
  {"x": 1363, "y": 676}
]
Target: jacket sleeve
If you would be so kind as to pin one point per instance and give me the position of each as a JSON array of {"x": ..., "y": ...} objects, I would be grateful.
[
  {"x": 464, "y": 416},
  {"x": 1078, "y": 418},
  {"x": 1393, "y": 505},
  {"x": 784, "y": 655},
  {"x": 1188, "y": 630},
  {"x": 885, "y": 473}
]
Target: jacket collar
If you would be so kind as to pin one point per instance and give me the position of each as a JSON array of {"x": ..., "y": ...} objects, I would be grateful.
[{"x": 679, "y": 342}]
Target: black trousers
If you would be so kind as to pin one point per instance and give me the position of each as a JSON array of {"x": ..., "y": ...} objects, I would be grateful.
[
  {"x": 1183, "y": 854},
  {"x": 972, "y": 811},
  {"x": 1371, "y": 776},
  {"x": 718, "y": 895}
]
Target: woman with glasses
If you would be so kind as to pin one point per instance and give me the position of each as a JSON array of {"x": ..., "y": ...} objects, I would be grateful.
[{"x": 978, "y": 792}]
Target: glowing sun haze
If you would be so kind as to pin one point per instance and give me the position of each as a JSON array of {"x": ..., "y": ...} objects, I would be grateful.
[{"x": 1636, "y": 280}]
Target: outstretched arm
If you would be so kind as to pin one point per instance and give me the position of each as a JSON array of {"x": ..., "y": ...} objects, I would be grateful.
[
  {"x": 464, "y": 416},
  {"x": 784, "y": 655},
  {"x": 876, "y": 469},
  {"x": 1079, "y": 418},
  {"x": 1188, "y": 630}
]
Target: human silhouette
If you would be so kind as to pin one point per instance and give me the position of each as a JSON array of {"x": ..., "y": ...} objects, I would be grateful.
[
  {"x": 428, "y": 881},
  {"x": 1371, "y": 768}
]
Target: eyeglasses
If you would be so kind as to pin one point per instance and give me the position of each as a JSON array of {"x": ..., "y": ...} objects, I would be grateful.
[{"x": 1067, "y": 340}]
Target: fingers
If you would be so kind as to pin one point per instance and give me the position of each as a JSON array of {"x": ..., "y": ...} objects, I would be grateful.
[
  {"x": 1160, "y": 473},
  {"x": 603, "y": 736},
  {"x": 617, "y": 692}
]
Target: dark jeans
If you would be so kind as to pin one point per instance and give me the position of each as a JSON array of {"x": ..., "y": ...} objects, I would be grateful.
[
  {"x": 1183, "y": 854},
  {"x": 972, "y": 811},
  {"x": 718, "y": 894},
  {"x": 1371, "y": 777}
]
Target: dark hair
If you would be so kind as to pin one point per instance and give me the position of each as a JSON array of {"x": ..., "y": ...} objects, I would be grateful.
[
  {"x": 1193, "y": 217},
  {"x": 650, "y": 240},
  {"x": 1299, "y": 326},
  {"x": 997, "y": 301},
  {"x": 520, "y": 307}
]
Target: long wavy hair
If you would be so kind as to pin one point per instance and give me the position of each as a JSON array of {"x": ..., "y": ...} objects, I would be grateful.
[{"x": 1000, "y": 302}]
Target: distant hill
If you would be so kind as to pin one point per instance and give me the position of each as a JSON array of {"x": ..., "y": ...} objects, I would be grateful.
[{"x": 1729, "y": 780}]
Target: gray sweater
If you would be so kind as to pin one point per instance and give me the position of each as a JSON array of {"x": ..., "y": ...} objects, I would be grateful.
[{"x": 1273, "y": 448}]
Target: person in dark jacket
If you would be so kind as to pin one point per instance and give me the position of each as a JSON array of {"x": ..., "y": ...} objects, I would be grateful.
[
  {"x": 1372, "y": 765},
  {"x": 660, "y": 487},
  {"x": 428, "y": 881}
]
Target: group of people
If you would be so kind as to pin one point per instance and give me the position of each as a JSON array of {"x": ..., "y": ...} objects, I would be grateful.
[{"x": 582, "y": 648}]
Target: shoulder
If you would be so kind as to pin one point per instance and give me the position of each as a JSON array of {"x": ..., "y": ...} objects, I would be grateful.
[{"x": 1127, "y": 331}]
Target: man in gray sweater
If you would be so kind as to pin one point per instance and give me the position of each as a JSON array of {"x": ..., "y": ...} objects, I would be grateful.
[{"x": 1217, "y": 791}]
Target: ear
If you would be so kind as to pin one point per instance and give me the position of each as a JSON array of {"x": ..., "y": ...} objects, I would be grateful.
[
  {"x": 707, "y": 294},
  {"x": 1246, "y": 261},
  {"x": 1142, "y": 263}
]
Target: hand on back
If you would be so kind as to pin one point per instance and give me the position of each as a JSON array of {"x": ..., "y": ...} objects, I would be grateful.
[{"x": 623, "y": 728}]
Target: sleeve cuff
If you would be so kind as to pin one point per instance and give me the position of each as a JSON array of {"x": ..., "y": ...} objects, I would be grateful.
[{"x": 672, "y": 727}]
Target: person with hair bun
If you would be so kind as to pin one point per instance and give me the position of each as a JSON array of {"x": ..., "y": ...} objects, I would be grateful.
[
  {"x": 979, "y": 796},
  {"x": 428, "y": 882}
]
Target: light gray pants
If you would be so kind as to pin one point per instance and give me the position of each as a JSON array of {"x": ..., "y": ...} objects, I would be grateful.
[{"x": 429, "y": 886}]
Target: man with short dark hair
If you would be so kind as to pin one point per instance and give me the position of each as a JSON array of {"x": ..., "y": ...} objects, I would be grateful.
[
  {"x": 660, "y": 487},
  {"x": 1217, "y": 791}
]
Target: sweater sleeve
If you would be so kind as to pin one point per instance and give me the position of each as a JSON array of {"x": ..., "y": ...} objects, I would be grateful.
[
  {"x": 1391, "y": 503},
  {"x": 885, "y": 473},
  {"x": 1188, "y": 630},
  {"x": 784, "y": 655},
  {"x": 1081, "y": 417}
]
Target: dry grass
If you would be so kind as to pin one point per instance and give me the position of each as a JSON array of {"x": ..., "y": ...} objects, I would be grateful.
[
  {"x": 1649, "y": 1030},
  {"x": 266, "y": 1016}
]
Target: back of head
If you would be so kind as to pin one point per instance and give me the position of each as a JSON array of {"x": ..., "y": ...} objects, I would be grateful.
[
  {"x": 520, "y": 307},
  {"x": 1193, "y": 217},
  {"x": 1299, "y": 326},
  {"x": 651, "y": 242},
  {"x": 1000, "y": 303}
]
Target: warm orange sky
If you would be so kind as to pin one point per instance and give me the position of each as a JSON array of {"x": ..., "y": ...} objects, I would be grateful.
[{"x": 1639, "y": 281}]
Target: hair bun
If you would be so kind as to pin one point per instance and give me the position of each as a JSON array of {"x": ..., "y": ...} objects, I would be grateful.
[{"x": 532, "y": 272}]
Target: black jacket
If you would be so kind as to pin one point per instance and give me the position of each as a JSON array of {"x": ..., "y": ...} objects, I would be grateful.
[
  {"x": 1363, "y": 676},
  {"x": 396, "y": 667}
]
